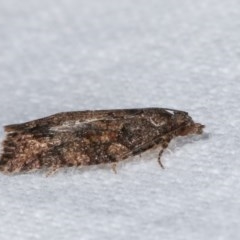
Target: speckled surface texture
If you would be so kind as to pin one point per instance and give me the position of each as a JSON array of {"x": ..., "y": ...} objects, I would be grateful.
[{"x": 75, "y": 55}]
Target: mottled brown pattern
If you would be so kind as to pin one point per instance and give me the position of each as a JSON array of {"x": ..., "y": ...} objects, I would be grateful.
[{"x": 91, "y": 137}]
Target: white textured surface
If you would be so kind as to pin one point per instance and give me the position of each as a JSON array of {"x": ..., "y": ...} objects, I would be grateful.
[{"x": 74, "y": 55}]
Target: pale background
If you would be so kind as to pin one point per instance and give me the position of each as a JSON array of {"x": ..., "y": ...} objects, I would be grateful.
[{"x": 63, "y": 55}]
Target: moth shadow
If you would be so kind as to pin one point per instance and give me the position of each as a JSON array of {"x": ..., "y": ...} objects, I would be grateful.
[
  {"x": 107, "y": 167},
  {"x": 179, "y": 142}
]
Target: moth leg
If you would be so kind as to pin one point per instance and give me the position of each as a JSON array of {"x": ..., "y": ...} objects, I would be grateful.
[
  {"x": 164, "y": 146},
  {"x": 163, "y": 141},
  {"x": 114, "y": 166},
  {"x": 159, "y": 158}
]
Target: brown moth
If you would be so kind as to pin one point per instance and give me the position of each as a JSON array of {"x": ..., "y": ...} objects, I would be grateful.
[{"x": 91, "y": 137}]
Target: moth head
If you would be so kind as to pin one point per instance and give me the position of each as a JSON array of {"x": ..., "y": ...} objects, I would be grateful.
[{"x": 186, "y": 125}]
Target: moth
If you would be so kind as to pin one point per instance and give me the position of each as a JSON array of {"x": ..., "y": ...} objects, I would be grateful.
[{"x": 91, "y": 137}]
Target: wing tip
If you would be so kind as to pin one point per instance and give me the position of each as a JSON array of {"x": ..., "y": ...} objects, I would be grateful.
[{"x": 14, "y": 128}]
